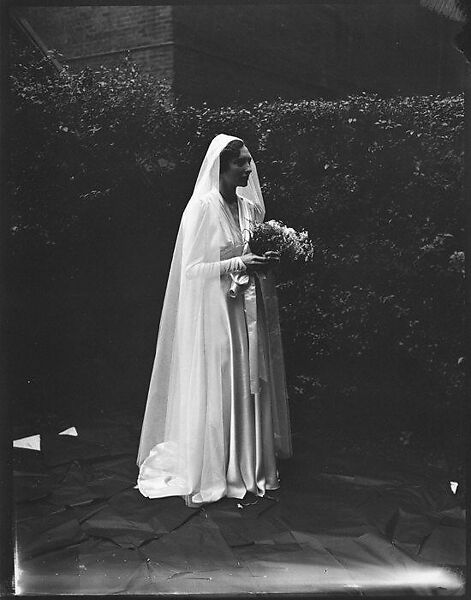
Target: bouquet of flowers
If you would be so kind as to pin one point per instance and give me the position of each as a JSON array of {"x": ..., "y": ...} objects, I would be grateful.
[{"x": 293, "y": 246}]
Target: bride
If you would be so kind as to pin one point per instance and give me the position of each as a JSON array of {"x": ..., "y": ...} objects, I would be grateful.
[{"x": 217, "y": 415}]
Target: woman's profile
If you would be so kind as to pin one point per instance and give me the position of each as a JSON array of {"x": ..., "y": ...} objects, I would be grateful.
[{"x": 217, "y": 415}]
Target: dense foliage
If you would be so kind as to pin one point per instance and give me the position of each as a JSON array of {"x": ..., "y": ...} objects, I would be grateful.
[{"x": 102, "y": 164}]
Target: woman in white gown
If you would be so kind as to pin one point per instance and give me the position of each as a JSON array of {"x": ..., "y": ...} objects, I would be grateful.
[{"x": 217, "y": 415}]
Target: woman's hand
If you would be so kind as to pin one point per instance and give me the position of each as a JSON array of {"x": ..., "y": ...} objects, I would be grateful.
[
  {"x": 254, "y": 262},
  {"x": 273, "y": 257}
]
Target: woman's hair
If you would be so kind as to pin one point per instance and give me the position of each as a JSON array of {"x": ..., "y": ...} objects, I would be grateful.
[{"x": 230, "y": 152}]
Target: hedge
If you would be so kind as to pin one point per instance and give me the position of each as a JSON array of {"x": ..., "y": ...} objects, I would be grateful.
[{"x": 102, "y": 164}]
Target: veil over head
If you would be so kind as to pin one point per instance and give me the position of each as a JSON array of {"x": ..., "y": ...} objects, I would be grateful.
[
  {"x": 183, "y": 422},
  {"x": 208, "y": 176}
]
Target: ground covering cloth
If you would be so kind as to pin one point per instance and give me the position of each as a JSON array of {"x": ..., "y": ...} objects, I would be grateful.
[{"x": 345, "y": 524}]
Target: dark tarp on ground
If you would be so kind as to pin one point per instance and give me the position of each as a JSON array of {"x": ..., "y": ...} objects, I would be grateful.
[{"x": 347, "y": 526}]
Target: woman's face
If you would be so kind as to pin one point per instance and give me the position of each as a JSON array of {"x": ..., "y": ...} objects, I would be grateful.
[{"x": 239, "y": 169}]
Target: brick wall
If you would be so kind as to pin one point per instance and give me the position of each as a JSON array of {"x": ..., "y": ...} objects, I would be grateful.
[
  {"x": 228, "y": 52},
  {"x": 225, "y": 52},
  {"x": 94, "y": 35}
]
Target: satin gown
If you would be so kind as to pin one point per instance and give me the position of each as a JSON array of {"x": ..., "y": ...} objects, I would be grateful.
[
  {"x": 248, "y": 423},
  {"x": 253, "y": 426}
]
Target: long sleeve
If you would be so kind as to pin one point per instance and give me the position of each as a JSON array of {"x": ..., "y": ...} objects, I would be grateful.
[
  {"x": 204, "y": 269},
  {"x": 202, "y": 244}
]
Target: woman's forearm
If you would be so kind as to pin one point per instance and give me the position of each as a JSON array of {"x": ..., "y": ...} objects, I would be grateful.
[{"x": 213, "y": 269}]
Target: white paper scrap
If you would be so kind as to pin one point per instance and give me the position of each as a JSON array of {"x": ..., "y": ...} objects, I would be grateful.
[
  {"x": 32, "y": 442},
  {"x": 454, "y": 486},
  {"x": 69, "y": 431}
]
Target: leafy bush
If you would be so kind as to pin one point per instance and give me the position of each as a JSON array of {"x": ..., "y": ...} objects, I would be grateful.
[
  {"x": 102, "y": 166},
  {"x": 378, "y": 185}
]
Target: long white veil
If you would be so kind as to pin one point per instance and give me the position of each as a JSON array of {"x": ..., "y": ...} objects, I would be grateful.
[{"x": 183, "y": 422}]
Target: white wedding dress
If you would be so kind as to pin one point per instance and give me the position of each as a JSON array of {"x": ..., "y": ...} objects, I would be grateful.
[{"x": 217, "y": 414}]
